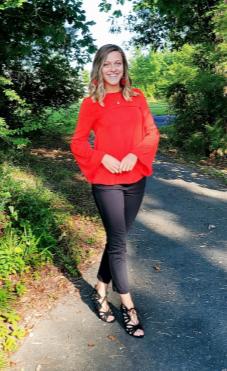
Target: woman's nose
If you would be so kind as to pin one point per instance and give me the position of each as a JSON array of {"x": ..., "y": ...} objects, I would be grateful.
[{"x": 113, "y": 67}]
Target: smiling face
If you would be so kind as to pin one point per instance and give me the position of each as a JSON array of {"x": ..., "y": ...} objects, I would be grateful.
[{"x": 112, "y": 71}]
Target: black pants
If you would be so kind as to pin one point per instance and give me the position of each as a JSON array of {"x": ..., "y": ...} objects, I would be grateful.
[{"x": 118, "y": 206}]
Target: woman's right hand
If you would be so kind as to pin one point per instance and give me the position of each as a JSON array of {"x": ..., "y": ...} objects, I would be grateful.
[{"x": 111, "y": 163}]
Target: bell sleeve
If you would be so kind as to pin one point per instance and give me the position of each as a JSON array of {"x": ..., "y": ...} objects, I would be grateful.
[
  {"x": 146, "y": 149},
  {"x": 87, "y": 158}
]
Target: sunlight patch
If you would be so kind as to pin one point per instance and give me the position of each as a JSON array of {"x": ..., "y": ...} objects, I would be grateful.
[
  {"x": 165, "y": 224},
  {"x": 196, "y": 188}
]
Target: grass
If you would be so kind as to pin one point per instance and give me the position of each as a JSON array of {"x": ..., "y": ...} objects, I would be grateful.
[
  {"x": 159, "y": 108},
  {"x": 51, "y": 182}
]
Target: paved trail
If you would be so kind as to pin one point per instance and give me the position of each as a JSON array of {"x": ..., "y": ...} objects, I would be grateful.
[{"x": 178, "y": 273}]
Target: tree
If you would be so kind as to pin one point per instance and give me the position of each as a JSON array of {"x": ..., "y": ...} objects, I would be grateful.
[
  {"x": 196, "y": 80},
  {"x": 7, "y": 94},
  {"x": 144, "y": 71},
  {"x": 220, "y": 29},
  {"x": 38, "y": 43},
  {"x": 162, "y": 23}
]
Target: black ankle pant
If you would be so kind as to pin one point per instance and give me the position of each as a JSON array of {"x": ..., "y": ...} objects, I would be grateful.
[{"x": 118, "y": 206}]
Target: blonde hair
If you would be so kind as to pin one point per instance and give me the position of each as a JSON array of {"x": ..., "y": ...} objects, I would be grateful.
[{"x": 96, "y": 86}]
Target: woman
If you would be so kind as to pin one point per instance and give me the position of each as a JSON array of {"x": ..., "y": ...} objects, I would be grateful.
[{"x": 126, "y": 141}]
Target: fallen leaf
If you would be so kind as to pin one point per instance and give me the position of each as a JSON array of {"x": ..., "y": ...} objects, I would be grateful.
[
  {"x": 111, "y": 337},
  {"x": 90, "y": 344},
  {"x": 157, "y": 268}
]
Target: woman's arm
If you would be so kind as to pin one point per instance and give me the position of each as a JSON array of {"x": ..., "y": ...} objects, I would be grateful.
[
  {"x": 147, "y": 148},
  {"x": 87, "y": 158}
]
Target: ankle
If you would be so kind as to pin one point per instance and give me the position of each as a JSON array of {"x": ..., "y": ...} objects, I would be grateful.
[
  {"x": 101, "y": 288},
  {"x": 128, "y": 306},
  {"x": 126, "y": 300}
]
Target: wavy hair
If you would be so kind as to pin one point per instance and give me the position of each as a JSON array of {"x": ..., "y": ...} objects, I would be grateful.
[{"x": 96, "y": 86}]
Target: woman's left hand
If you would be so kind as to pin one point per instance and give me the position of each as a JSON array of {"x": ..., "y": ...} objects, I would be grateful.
[{"x": 128, "y": 162}]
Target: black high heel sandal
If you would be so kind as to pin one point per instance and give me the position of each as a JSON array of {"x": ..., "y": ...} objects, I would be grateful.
[
  {"x": 98, "y": 300},
  {"x": 129, "y": 327}
]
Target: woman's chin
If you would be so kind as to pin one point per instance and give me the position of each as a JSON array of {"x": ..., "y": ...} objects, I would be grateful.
[{"x": 113, "y": 83}]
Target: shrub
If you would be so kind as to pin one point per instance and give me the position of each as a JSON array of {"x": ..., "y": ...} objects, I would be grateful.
[
  {"x": 196, "y": 143},
  {"x": 217, "y": 138},
  {"x": 199, "y": 106}
]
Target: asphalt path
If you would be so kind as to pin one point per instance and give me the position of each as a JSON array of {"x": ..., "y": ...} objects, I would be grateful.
[
  {"x": 177, "y": 261},
  {"x": 163, "y": 120}
]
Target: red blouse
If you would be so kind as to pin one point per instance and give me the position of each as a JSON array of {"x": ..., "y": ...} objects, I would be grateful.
[{"x": 120, "y": 127}]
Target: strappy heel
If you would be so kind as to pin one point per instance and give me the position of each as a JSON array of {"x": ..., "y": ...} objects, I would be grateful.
[
  {"x": 98, "y": 300},
  {"x": 129, "y": 327}
]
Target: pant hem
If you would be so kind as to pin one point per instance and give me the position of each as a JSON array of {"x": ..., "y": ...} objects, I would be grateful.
[{"x": 102, "y": 280}]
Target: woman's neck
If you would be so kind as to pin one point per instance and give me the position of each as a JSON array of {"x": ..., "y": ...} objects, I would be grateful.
[{"x": 112, "y": 88}]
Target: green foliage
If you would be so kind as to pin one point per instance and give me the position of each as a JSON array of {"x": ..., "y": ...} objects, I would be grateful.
[
  {"x": 156, "y": 71},
  {"x": 217, "y": 138},
  {"x": 9, "y": 98},
  {"x": 29, "y": 227},
  {"x": 196, "y": 143},
  {"x": 10, "y": 331},
  {"x": 10, "y": 343},
  {"x": 159, "y": 108},
  {"x": 106, "y": 6},
  {"x": 145, "y": 70},
  {"x": 36, "y": 72},
  {"x": 5, "y": 297},
  {"x": 178, "y": 67},
  {"x": 193, "y": 78},
  {"x": 31, "y": 222},
  {"x": 20, "y": 288},
  {"x": 199, "y": 104},
  {"x": 19, "y": 252},
  {"x": 220, "y": 28},
  {"x": 11, "y": 258},
  {"x": 60, "y": 121},
  {"x": 3, "y": 361},
  {"x": 194, "y": 87},
  {"x": 163, "y": 23},
  {"x": 86, "y": 77},
  {"x": 68, "y": 263},
  {"x": 11, "y": 4}
]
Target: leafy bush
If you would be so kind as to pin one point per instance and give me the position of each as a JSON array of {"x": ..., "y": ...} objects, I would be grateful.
[
  {"x": 217, "y": 137},
  {"x": 10, "y": 331},
  {"x": 61, "y": 121},
  {"x": 20, "y": 252},
  {"x": 193, "y": 79},
  {"x": 28, "y": 239},
  {"x": 200, "y": 105},
  {"x": 31, "y": 220},
  {"x": 196, "y": 143}
]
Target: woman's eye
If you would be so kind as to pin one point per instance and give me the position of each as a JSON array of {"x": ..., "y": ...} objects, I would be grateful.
[{"x": 109, "y": 64}]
